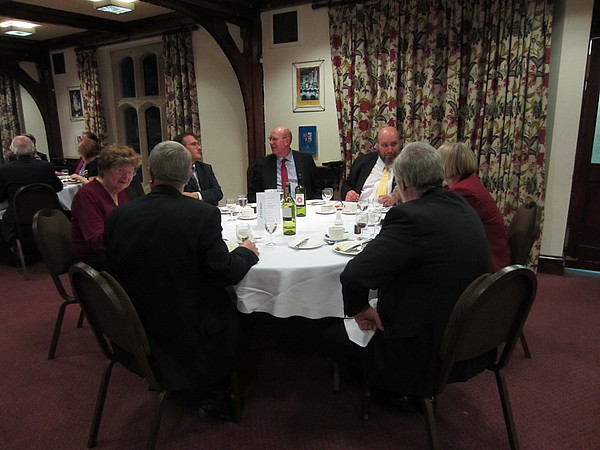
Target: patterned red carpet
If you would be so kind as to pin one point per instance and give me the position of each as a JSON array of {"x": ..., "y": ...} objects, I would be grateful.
[{"x": 288, "y": 402}]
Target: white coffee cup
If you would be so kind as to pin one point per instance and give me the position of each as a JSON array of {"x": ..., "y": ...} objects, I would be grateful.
[
  {"x": 350, "y": 207},
  {"x": 247, "y": 212},
  {"x": 326, "y": 208},
  {"x": 336, "y": 232}
]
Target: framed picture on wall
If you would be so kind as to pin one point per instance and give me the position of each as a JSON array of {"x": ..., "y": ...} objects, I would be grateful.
[
  {"x": 308, "y": 139},
  {"x": 284, "y": 27},
  {"x": 75, "y": 103},
  {"x": 307, "y": 85}
]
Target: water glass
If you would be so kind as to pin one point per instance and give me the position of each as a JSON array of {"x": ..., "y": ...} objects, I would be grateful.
[
  {"x": 270, "y": 227},
  {"x": 242, "y": 232},
  {"x": 231, "y": 206},
  {"x": 327, "y": 194},
  {"x": 242, "y": 201}
]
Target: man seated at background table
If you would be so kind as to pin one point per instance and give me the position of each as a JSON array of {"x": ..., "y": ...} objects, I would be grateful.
[
  {"x": 203, "y": 184},
  {"x": 430, "y": 248},
  {"x": 284, "y": 164},
  {"x": 371, "y": 175},
  {"x": 167, "y": 252},
  {"x": 25, "y": 169}
]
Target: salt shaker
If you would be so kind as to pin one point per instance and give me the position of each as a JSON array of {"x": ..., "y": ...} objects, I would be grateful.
[{"x": 338, "y": 218}]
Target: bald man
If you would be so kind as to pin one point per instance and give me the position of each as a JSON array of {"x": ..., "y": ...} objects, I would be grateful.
[
  {"x": 267, "y": 171},
  {"x": 365, "y": 179}
]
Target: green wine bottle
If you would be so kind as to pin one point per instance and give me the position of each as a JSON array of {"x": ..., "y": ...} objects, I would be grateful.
[
  {"x": 300, "y": 198},
  {"x": 288, "y": 208}
]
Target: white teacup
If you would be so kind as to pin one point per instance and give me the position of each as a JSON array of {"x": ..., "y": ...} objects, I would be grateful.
[
  {"x": 247, "y": 212},
  {"x": 326, "y": 208},
  {"x": 350, "y": 207},
  {"x": 336, "y": 232}
]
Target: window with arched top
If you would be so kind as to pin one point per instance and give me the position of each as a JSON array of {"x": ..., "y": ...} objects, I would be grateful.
[
  {"x": 127, "y": 77},
  {"x": 132, "y": 130},
  {"x": 153, "y": 134},
  {"x": 150, "y": 66}
]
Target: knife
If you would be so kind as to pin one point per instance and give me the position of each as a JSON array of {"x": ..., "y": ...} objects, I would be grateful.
[{"x": 301, "y": 243}]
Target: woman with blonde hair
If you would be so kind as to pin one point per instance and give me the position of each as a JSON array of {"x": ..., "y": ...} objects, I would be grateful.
[
  {"x": 460, "y": 167},
  {"x": 117, "y": 165}
]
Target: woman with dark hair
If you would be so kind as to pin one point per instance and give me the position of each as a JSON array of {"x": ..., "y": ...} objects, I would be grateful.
[
  {"x": 460, "y": 167},
  {"x": 92, "y": 203},
  {"x": 87, "y": 169}
]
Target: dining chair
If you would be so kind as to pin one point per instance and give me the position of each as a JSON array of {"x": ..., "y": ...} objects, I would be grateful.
[
  {"x": 28, "y": 200},
  {"x": 523, "y": 230},
  {"x": 52, "y": 234},
  {"x": 116, "y": 325},
  {"x": 489, "y": 314}
]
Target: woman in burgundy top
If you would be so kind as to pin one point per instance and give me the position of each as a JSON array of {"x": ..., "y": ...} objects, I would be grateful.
[
  {"x": 87, "y": 169},
  {"x": 460, "y": 166},
  {"x": 117, "y": 165}
]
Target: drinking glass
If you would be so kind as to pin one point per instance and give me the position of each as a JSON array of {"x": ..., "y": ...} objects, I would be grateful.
[
  {"x": 362, "y": 220},
  {"x": 326, "y": 194},
  {"x": 231, "y": 206},
  {"x": 270, "y": 227},
  {"x": 362, "y": 205},
  {"x": 242, "y": 201},
  {"x": 242, "y": 231},
  {"x": 374, "y": 219},
  {"x": 65, "y": 172}
]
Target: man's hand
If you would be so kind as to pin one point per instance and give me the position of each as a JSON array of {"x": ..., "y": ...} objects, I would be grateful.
[
  {"x": 352, "y": 196},
  {"x": 386, "y": 200},
  {"x": 191, "y": 194},
  {"x": 368, "y": 319},
  {"x": 250, "y": 246}
]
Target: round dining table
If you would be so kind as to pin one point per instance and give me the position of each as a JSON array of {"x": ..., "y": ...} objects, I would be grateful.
[{"x": 290, "y": 282}]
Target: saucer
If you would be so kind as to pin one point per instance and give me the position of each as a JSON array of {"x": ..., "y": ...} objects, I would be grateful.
[
  {"x": 326, "y": 212},
  {"x": 247, "y": 218},
  {"x": 315, "y": 202},
  {"x": 345, "y": 211}
]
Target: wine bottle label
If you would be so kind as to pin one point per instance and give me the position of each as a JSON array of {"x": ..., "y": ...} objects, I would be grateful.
[
  {"x": 299, "y": 199},
  {"x": 286, "y": 212}
]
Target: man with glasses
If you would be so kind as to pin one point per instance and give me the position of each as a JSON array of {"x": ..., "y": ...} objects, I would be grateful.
[
  {"x": 371, "y": 177},
  {"x": 203, "y": 184}
]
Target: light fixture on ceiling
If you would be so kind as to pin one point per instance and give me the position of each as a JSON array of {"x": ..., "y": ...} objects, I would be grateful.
[
  {"x": 114, "y": 6},
  {"x": 16, "y": 28}
]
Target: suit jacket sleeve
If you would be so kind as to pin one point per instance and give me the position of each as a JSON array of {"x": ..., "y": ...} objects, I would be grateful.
[
  {"x": 209, "y": 186},
  {"x": 359, "y": 172},
  {"x": 305, "y": 165},
  {"x": 370, "y": 269}
]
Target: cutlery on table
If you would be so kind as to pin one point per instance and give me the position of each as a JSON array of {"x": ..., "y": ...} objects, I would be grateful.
[{"x": 301, "y": 243}]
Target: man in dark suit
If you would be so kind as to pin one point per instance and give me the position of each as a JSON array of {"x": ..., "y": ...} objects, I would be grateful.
[
  {"x": 371, "y": 176},
  {"x": 26, "y": 169},
  {"x": 167, "y": 252},
  {"x": 430, "y": 248},
  {"x": 203, "y": 184},
  {"x": 272, "y": 171}
]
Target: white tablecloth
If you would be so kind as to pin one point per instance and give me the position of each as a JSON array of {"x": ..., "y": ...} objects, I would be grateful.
[{"x": 287, "y": 282}]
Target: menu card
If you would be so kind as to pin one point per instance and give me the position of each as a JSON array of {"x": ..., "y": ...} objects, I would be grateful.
[{"x": 268, "y": 207}]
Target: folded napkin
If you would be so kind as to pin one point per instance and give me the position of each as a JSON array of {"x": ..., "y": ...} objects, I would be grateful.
[{"x": 355, "y": 334}]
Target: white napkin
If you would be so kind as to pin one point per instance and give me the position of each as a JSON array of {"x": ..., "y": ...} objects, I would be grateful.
[{"x": 355, "y": 334}]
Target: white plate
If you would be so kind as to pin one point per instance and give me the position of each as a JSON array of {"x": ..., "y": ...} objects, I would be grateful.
[
  {"x": 345, "y": 211},
  {"x": 315, "y": 202},
  {"x": 311, "y": 243},
  {"x": 337, "y": 240},
  {"x": 342, "y": 246},
  {"x": 326, "y": 212},
  {"x": 247, "y": 218}
]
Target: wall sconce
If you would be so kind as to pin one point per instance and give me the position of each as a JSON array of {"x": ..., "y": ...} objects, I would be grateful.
[{"x": 114, "y": 6}]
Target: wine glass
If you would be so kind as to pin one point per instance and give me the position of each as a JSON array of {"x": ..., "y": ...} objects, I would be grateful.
[
  {"x": 242, "y": 232},
  {"x": 362, "y": 220},
  {"x": 326, "y": 194},
  {"x": 270, "y": 227},
  {"x": 374, "y": 219},
  {"x": 242, "y": 201},
  {"x": 231, "y": 204},
  {"x": 362, "y": 205}
]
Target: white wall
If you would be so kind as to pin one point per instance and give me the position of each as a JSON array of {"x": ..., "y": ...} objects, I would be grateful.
[
  {"x": 278, "y": 84},
  {"x": 35, "y": 123},
  {"x": 571, "y": 30},
  {"x": 222, "y": 115}
]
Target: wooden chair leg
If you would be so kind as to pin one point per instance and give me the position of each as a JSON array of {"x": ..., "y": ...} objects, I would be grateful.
[
  {"x": 428, "y": 411},
  {"x": 507, "y": 411},
  {"x": 57, "y": 328},
  {"x": 21, "y": 258},
  {"x": 156, "y": 418},
  {"x": 524, "y": 345},
  {"x": 366, "y": 397},
  {"x": 100, "y": 404}
]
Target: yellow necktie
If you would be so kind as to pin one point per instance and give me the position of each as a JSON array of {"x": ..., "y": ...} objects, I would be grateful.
[{"x": 382, "y": 188}]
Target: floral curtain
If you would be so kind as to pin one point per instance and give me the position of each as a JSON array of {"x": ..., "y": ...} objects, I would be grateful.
[
  {"x": 91, "y": 95},
  {"x": 180, "y": 84},
  {"x": 447, "y": 70},
  {"x": 9, "y": 113}
]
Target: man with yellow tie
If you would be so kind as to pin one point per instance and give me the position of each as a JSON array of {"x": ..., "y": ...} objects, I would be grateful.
[{"x": 370, "y": 176}]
